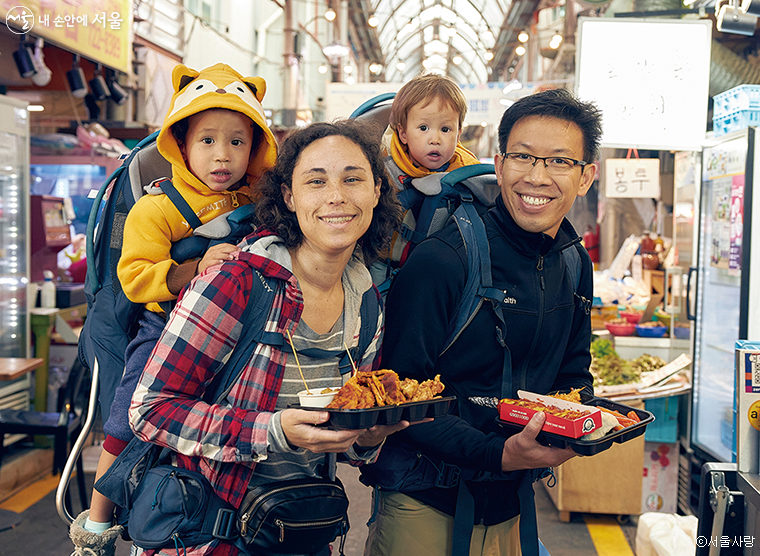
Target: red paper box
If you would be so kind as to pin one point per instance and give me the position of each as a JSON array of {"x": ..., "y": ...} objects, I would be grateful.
[{"x": 573, "y": 428}]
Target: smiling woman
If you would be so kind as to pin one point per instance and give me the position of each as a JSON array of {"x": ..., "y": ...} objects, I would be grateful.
[{"x": 323, "y": 211}]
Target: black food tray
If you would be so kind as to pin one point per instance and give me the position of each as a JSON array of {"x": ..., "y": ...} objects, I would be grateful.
[
  {"x": 385, "y": 415},
  {"x": 591, "y": 447}
]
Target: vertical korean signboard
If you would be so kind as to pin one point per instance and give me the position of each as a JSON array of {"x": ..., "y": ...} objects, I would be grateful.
[{"x": 99, "y": 30}]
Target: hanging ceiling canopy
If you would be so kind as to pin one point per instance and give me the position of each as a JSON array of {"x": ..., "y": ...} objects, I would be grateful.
[
  {"x": 474, "y": 41},
  {"x": 454, "y": 37}
]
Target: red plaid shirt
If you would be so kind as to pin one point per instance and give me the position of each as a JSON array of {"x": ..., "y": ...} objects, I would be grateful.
[{"x": 223, "y": 442}]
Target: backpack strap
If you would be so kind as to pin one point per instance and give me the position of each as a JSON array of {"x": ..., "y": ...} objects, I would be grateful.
[
  {"x": 479, "y": 286},
  {"x": 254, "y": 321},
  {"x": 179, "y": 202},
  {"x": 574, "y": 267}
]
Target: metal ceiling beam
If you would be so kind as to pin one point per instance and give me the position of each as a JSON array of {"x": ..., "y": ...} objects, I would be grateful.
[
  {"x": 518, "y": 17},
  {"x": 366, "y": 38}
]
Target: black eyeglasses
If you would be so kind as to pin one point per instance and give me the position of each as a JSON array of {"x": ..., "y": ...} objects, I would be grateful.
[{"x": 555, "y": 165}]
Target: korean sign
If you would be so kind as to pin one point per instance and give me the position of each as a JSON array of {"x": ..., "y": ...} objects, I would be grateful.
[
  {"x": 632, "y": 177},
  {"x": 99, "y": 30}
]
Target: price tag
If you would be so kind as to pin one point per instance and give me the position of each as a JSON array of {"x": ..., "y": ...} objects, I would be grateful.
[{"x": 632, "y": 178}]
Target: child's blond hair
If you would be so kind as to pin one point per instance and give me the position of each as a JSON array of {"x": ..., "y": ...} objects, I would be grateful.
[{"x": 425, "y": 88}]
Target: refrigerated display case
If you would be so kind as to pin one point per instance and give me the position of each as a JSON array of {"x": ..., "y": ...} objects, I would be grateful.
[
  {"x": 728, "y": 256},
  {"x": 14, "y": 246}
]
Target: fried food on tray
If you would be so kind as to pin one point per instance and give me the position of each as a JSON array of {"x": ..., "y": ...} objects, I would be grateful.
[
  {"x": 623, "y": 421},
  {"x": 572, "y": 396},
  {"x": 570, "y": 414},
  {"x": 379, "y": 388}
]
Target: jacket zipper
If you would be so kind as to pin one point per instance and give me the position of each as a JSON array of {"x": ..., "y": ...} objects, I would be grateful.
[
  {"x": 529, "y": 355},
  {"x": 283, "y": 524}
]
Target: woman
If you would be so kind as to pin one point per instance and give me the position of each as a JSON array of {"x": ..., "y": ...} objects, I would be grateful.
[{"x": 326, "y": 210}]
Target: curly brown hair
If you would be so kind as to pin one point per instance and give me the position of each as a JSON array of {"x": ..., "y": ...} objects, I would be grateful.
[{"x": 273, "y": 214}]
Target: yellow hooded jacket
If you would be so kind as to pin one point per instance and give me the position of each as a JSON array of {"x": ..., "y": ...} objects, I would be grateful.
[{"x": 154, "y": 223}]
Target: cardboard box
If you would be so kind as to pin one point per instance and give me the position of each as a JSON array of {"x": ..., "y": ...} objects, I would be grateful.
[
  {"x": 573, "y": 428},
  {"x": 606, "y": 483},
  {"x": 747, "y": 405},
  {"x": 659, "y": 488}
]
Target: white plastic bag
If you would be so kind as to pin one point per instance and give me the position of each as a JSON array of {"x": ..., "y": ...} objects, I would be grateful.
[{"x": 660, "y": 534}]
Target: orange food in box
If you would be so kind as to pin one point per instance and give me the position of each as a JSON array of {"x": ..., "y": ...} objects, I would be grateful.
[{"x": 562, "y": 417}]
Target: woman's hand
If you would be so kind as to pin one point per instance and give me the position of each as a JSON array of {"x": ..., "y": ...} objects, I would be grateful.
[
  {"x": 300, "y": 429},
  {"x": 523, "y": 451},
  {"x": 217, "y": 254}
]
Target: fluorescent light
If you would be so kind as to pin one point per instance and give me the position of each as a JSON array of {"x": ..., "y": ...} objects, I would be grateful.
[{"x": 35, "y": 108}]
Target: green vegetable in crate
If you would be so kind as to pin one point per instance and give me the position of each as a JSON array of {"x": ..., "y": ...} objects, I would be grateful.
[
  {"x": 610, "y": 370},
  {"x": 647, "y": 363},
  {"x": 602, "y": 347}
]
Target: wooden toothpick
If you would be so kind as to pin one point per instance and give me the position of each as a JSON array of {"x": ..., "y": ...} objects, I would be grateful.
[
  {"x": 350, "y": 358},
  {"x": 297, "y": 363}
]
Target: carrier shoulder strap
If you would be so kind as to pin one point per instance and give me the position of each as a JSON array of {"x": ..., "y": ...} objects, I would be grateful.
[
  {"x": 254, "y": 333},
  {"x": 179, "y": 202}
]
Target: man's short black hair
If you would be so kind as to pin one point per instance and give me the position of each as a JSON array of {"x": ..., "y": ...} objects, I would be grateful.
[{"x": 556, "y": 103}]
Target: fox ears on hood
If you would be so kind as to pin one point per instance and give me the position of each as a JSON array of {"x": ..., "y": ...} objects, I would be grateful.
[{"x": 182, "y": 76}]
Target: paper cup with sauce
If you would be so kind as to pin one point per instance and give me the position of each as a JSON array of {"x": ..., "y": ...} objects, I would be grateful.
[{"x": 317, "y": 398}]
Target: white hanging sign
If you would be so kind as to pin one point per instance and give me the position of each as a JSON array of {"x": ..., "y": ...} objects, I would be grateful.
[
  {"x": 650, "y": 77},
  {"x": 632, "y": 178}
]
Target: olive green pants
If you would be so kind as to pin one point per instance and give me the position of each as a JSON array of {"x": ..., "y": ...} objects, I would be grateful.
[{"x": 404, "y": 526}]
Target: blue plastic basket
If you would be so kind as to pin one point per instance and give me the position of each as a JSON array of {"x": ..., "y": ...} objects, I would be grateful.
[
  {"x": 743, "y": 97},
  {"x": 651, "y": 331},
  {"x": 735, "y": 121}
]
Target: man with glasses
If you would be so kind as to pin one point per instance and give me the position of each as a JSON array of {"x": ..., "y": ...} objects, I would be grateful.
[{"x": 547, "y": 144}]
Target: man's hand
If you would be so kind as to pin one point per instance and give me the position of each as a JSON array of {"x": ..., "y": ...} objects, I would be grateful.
[
  {"x": 217, "y": 254},
  {"x": 522, "y": 451}
]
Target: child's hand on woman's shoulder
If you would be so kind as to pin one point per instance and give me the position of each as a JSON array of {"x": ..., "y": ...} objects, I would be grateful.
[{"x": 217, "y": 255}]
